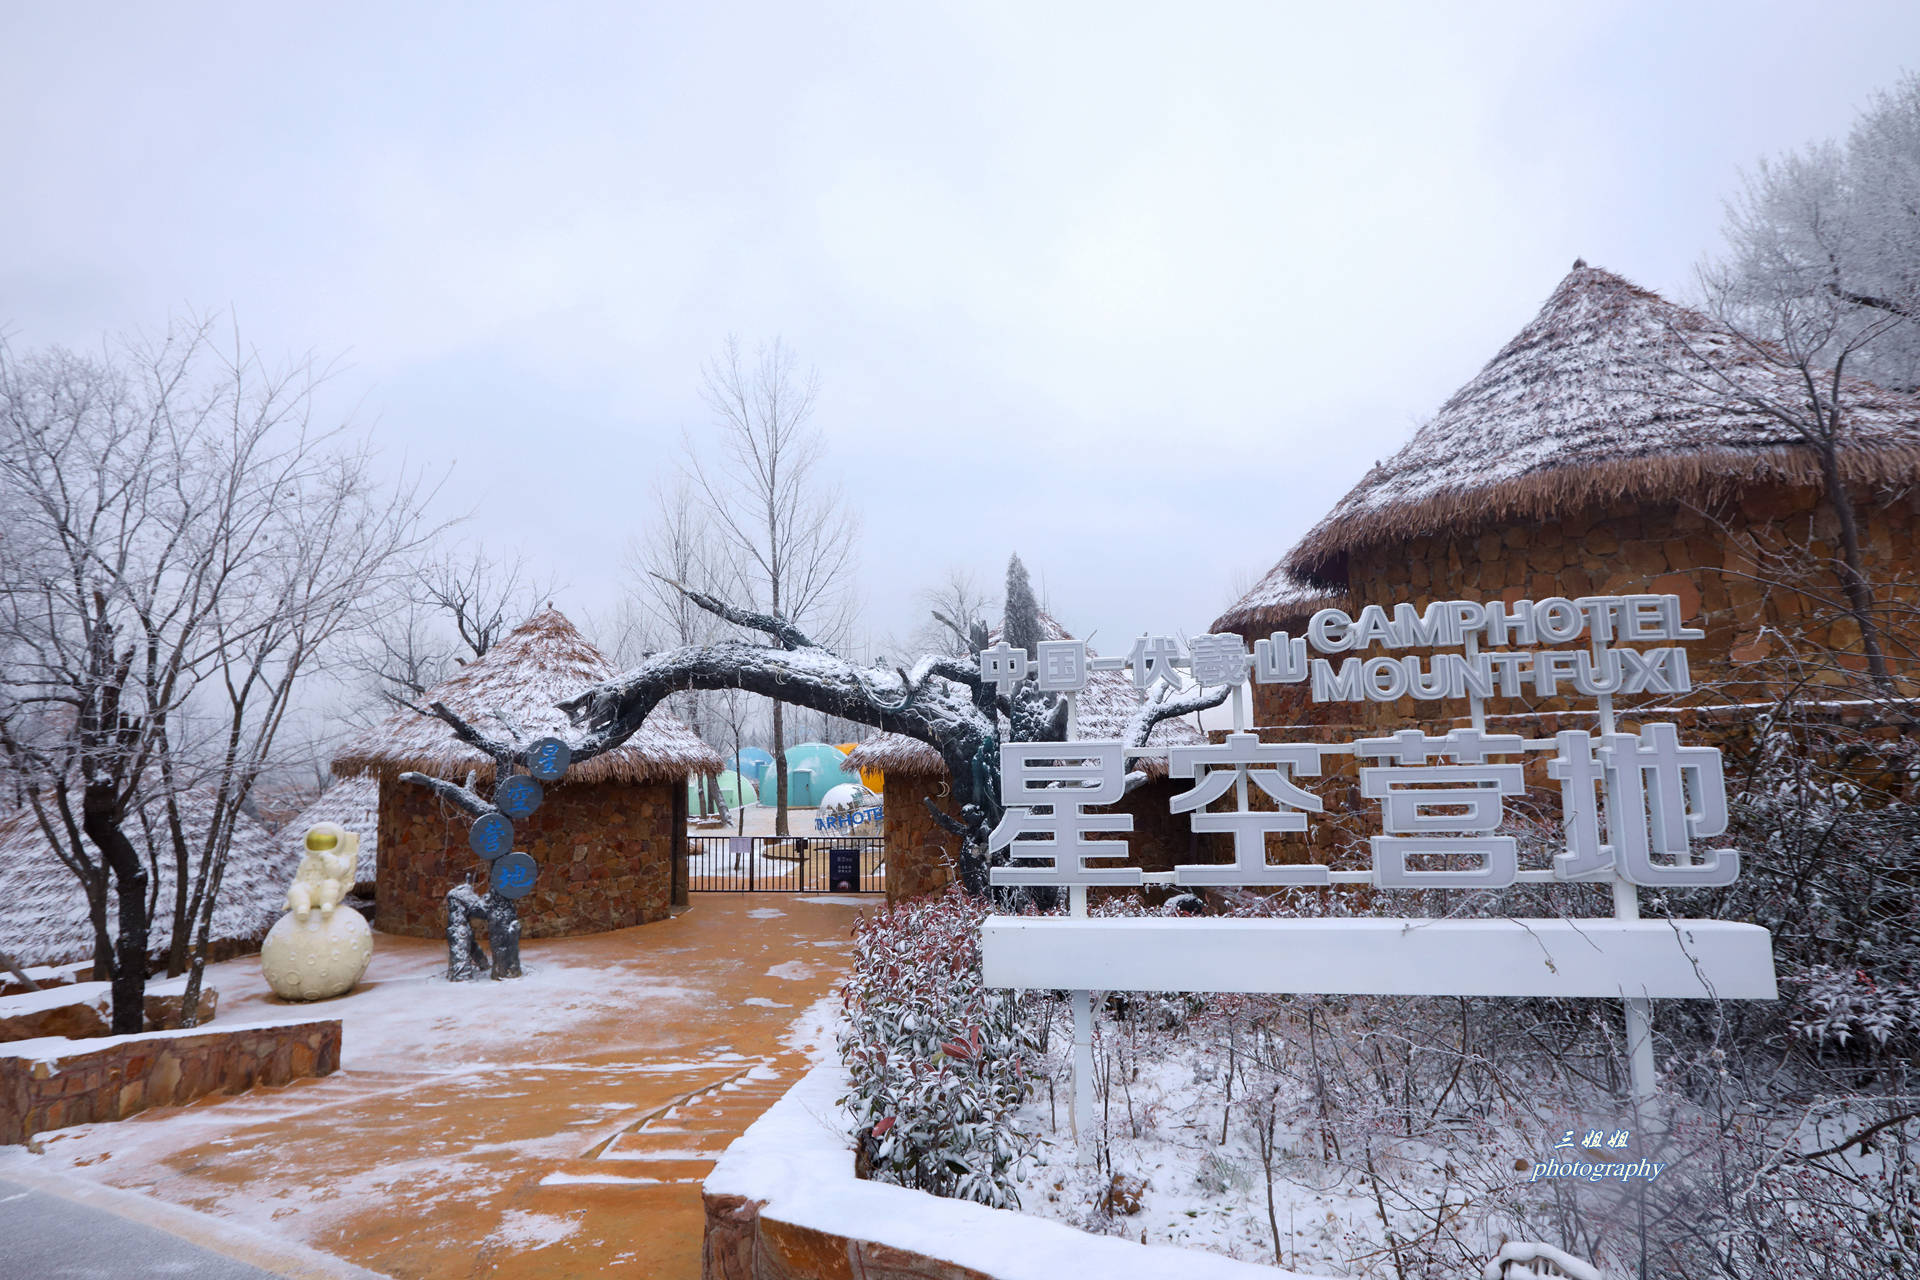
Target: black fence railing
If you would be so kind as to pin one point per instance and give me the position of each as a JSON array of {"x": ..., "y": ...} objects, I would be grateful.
[{"x": 786, "y": 864}]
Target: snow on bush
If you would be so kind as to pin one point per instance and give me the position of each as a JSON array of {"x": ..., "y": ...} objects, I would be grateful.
[{"x": 937, "y": 1061}]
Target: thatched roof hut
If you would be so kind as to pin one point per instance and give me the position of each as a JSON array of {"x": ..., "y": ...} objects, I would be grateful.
[
  {"x": 1611, "y": 395},
  {"x": 1619, "y": 444},
  {"x": 43, "y": 915},
  {"x": 513, "y": 689},
  {"x": 607, "y": 837}
]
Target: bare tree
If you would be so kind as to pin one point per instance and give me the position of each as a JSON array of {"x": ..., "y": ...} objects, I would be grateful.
[
  {"x": 680, "y": 549},
  {"x": 446, "y": 611},
  {"x": 785, "y": 523},
  {"x": 954, "y": 604},
  {"x": 182, "y": 545}
]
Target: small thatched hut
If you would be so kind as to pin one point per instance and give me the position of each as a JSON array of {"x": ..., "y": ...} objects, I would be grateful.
[
  {"x": 1618, "y": 445},
  {"x": 43, "y": 916},
  {"x": 921, "y": 853},
  {"x": 610, "y": 838}
]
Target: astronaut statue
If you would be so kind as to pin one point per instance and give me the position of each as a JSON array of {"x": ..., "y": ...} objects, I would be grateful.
[{"x": 318, "y": 950}]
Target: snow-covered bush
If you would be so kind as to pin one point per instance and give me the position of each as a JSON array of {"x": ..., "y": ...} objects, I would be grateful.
[{"x": 937, "y": 1061}]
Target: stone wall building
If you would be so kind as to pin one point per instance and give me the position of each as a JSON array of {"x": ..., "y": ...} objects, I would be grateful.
[
  {"x": 609, "y": 838},
  {"x": 1622, "y": 444},
  {"x": 921, "y": 853}
]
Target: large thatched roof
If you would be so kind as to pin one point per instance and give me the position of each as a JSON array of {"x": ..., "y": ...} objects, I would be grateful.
[
  {"x": 43, "y": 914},
  {"x": 1106, "y": 705},
  {"x": 1278, "y": 600},
  {"x": 1610, "y": 394},
  {"x": 351, "y": 803},
  {"x": 514, "y": 688}
]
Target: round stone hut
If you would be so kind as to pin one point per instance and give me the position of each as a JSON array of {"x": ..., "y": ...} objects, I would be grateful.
[
  {"x": 1622, "y": 444},
  {"x": 609, "y": 838},
  {"x": 921, "y": 853}
]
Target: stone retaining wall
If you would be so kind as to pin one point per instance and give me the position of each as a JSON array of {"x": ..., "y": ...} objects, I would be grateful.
[
  {"x": 50, "y": 1083},
  {"x": 84, "y": 1010},
  {"x": 782, "y": 1204}
]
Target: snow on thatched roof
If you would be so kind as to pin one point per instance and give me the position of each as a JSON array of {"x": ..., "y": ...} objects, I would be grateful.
[
  {"x": 1610, "y": 394},
  {"x": 1278, "y": 600},
  {"x": 1106, "y": 705},
  {"x": 514, "y": 689},
  {"x": 352, "y": 803},
  {"x": 43, "y": 915}
]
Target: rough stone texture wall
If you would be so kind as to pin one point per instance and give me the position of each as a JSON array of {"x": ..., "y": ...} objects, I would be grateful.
[
  {"x": 1726, "y": 566},
  {"x": 86, "y": 1009},
  {"x": 1725, "y": 563},
  {"x": 743, "y": 1244},
  {"x": 920, "y": 853},
  {"x": 605, "y": 852},
  {"x": 131, "y": 1074}
]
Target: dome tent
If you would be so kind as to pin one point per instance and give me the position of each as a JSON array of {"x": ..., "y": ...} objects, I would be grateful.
[
  {"x": 753, "y": 763},
  {"x": 735, "y": 791},
  {"x": 813, "y": 769}
]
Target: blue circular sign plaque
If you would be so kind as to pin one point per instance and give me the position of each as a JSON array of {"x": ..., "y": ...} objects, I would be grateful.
[
  {"x": 518, "y": 796},
  {"x": 548, "y": 758},
  {"x": 491, "y": 835},
  {"x": 513, "y": 875}
]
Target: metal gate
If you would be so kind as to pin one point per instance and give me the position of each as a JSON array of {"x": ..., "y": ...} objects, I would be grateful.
[{"x": 786, "y": 864}]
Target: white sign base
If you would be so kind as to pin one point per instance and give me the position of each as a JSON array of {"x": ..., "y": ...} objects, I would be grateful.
[{"x": 1604, "y": 958}]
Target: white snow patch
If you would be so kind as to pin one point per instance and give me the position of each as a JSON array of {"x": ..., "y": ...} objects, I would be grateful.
[
  {"x": 798, "y": 1159},
  {"x": 93, "y": 993},
  {"x": 843, "y": 900},
  {"x": 791, "y": 970},
  {"x": 761, "y": 1002},
  {"x": 521, "y": 1230},
  {"x": 815, "y": 1033},
  {"x": 766, "y": 913}
]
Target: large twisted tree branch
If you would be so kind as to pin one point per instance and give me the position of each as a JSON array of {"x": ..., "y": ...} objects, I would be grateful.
[{"x": 1160, "y": 707}]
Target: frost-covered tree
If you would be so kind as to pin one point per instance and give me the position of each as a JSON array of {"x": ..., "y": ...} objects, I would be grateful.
[
  {"x": 1819, "y": 284},
  {"x": 1021, "y": 619},
  {"x": 182, "y": 545},
  {"x": 1823, "y": 244}
]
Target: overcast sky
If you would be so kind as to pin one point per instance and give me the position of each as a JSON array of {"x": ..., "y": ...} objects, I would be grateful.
[{"x": 1137, "y": 292}]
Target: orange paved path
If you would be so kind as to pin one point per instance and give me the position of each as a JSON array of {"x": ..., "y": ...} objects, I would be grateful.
[{"x": 556, "y": 1126}]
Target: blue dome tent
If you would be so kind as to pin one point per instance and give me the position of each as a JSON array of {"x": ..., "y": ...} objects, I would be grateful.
[
  {"x": 753, "y": 764},
  {"x": 813, "y": 769}
]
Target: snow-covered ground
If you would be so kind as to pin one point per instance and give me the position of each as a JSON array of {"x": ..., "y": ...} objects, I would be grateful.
[{"x": 1163, "y": 1128}]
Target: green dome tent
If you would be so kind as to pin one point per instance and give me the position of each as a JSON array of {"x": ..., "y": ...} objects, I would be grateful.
[{"x": 735, "y": 791}]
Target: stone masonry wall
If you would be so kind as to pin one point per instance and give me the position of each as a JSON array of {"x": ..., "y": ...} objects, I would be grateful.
[
  {"x": 605, "y": 852},
  {"x": 45, "y": 1091},
  {"x": 1723, "y": 565},
  {"x": 920, "y": 853}
]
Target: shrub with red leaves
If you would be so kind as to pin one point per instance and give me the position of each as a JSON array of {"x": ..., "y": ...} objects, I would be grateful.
[{"x": 937, "y": 1061}]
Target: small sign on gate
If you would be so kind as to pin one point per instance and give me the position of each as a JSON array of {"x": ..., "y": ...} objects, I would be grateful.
[{"x": 843, "y": 870}]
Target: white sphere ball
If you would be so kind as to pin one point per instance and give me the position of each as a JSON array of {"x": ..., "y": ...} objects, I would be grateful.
[
  {"x": 316, "y": 958},
  {"x": 847, "y": 795}
]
